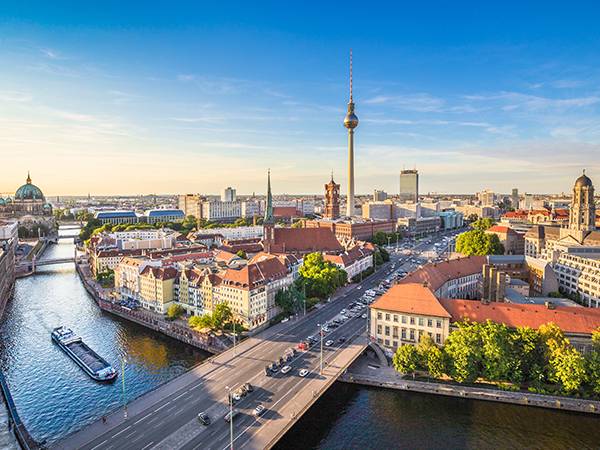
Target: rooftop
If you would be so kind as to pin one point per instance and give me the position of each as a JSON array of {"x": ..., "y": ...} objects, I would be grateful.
[{"x": 411, "y": 298}]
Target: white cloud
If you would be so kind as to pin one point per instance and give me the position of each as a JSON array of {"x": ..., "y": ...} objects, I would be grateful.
[{"x": 422, "y": 102}]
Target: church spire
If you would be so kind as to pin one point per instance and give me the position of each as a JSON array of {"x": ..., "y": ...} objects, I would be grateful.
[
  {"x": 28, "y": 178},
  {"x": 269, "y": 207}
]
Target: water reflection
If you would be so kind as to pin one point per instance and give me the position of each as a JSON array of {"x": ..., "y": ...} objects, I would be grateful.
[{"x": 53, "y": 395}]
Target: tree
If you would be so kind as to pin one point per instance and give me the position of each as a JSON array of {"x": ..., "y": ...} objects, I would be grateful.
[
  {"x": 478, "y": 242},
  {"x": 406, "y": 359},
  {"x": 385, "y": 255},
  {"x": 321, "y": 278},
  {"x": 175, "y": 311},
  {"x": 530, "y": 352},
  {"x": 199, "y": 322},
  {"x": 431, "y": 357},
  {"x": 378, "y": 258},
  {"x": 464, "y": 348},
  {"x": 568, "y": 368},
  {"x": 290, "y": 300},
  {"x": 482, "y": 224},
  {"x": 242, "y": 254},
  {"x": 593, "y": 362},
  {"x": 298, "y": 224},
  {"x": 499, "y": 353},
  {"x": 221, "y": 315}
]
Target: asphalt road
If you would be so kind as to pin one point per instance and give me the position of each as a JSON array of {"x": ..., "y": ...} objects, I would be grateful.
[{"x": 171, "y": 423}]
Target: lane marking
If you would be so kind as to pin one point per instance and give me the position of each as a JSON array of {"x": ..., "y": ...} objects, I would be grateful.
[
  {"x": 151, "y": 443},
  {"x": 100, "y": 444},
  {"x": 122, "y": 431}
]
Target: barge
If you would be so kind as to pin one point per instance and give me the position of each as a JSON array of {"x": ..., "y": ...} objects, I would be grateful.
[{"x": 92, "y": 363}]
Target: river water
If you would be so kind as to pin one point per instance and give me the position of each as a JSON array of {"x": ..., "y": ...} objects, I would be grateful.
[{"x": 53, "y": 395}]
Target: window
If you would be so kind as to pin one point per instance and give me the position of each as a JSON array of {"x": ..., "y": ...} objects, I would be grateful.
[
  {"x": 438, "y": 324},
  {"x": 387, "y": 331},
  {"x": 395, "y": 332},
  {"x": 387, "y": 317},
  {"x": 378, "y": 329},
  {"x": 387, "y": 342},
  {"x": 403, "y": 333},
  {"x": 395, "y": 317},
  {"x": 429, "y": 322},
  {"x": 421, "y": 321},
  {"x": 379, "y": 315},
  {"x": 395, "y": 344},
  {"x": 403, "y": 319},
  {"x": 412, "y": 320},
  {"x": 412, "y": 334},
  {"x": 438, "y": 338}
]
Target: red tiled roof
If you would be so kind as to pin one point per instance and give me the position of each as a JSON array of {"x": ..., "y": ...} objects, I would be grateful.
[
  {"x": 411, "y": 298},
  {"x": 570, "y": 319},
  {"x": 253, "y": 275},
  {"x": 498, "y": 229},
  {"x": 519, "y": 214},
  {"x": 350, "y": 256},
  {"x": 305, "y": 240},
  {"x": 161, "y": 273},
  {"x": 438, "y": 274}
]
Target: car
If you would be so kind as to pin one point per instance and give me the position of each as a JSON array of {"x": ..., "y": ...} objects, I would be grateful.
[
  {"x": 329, "y": 343},
  {"x": 259, "y": 410},
  {"x": 325, "y": 329},
  {"x": 364, "y": 316},
  {"x": 236, "y": 396},
  {"x": 359, "y": 288},
  {"x": 247, "y": 387},
  {"x": 303, "y": 372},
  {"x": 286, "y": 369},
  {"x": 231, "y": 415},
  {"x": 203, "y": 418},
  {"x": 274, "y": 368},
  {"x": 342, "y": 339}
]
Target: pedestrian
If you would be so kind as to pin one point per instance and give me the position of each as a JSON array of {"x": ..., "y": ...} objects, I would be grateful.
[{"x": 103, "y": 419}]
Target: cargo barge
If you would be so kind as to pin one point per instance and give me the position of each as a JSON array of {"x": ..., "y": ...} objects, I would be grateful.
[{"x": 92, "y": 363}]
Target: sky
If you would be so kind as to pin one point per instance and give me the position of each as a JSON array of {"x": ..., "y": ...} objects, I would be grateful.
[{"x": 174, "y": 97}]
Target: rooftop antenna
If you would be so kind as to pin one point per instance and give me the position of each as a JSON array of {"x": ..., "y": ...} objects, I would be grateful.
[{"x": 350, "y": 75}]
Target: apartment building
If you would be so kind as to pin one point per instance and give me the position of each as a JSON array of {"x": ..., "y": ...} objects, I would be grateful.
[{"x": 157, "y": 288}]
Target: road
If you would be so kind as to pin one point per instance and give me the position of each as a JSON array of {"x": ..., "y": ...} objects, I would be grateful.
[{"x": 171, "y": 421}]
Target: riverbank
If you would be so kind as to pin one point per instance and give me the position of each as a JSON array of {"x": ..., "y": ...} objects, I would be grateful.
[
  {"x": 24, "y": 439},
  {"x": 365, "y": 372},
  {"x": 156, "y": 322}
]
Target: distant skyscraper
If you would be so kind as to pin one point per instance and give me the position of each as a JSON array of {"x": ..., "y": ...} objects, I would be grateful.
[
  {"x": 409, "y": 186},
  {"x": 379, "y": 196},
  {"x": 514, "y": 198},
  {"x": 332, "y": 200},
  {"x": 350, "y": 122},
  {"x": 487, "y": 197},
  {"x": 228, "y": 195}
]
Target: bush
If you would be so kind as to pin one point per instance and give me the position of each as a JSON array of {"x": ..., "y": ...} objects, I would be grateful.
[{"x": 175, "y": 311}]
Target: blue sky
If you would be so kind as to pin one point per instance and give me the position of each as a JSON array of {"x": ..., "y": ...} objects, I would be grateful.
[{"x": 181, "y": 97}]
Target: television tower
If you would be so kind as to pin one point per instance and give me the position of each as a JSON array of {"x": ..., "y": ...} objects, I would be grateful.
[{"x": 350, "y": 122}]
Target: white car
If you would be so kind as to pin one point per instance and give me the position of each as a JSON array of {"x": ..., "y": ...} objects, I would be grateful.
[
  {"x": 329, "y": 343},
  {"x": 286, "y": 369},
  {"x": 303, "y": 372},
  {"x": 259, "y": 410},
  {"x": 364, "y": 316}
]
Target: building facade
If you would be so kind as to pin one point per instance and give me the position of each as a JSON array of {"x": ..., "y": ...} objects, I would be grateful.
[{"x": 332, "y": 200}]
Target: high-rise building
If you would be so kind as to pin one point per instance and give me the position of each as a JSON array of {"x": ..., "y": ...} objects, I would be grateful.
[
  {"x": 379, "y": 196},
  {"x": 350, "y": 122},
  {"x": 228, "y": 195},
  {"x": 191, "y": 204},
  {"x": 332, "y": 200},
  {"x": 514, "y": 198},
  {"x": 487, "y": 197},
  {"x": 409, "y": 186},
  {"x": 583, "y": 210}
]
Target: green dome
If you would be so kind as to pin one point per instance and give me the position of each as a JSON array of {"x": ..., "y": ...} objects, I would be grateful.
[
  {"x": 29, "y": 191},
  {"x": 8, "y": 201},
  {"x": 2, "y": 202}
]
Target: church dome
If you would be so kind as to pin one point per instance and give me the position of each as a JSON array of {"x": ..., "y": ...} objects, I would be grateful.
[
  {"x": 583, "y": 181},
  {"x": 2, "y": 202},
  {"x": 29, "y": 191}
]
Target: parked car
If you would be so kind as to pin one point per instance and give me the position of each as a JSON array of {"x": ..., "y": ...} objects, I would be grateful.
[
  {"x": 259, "y": 410},
  {"x": 303, "y": 372},
  {"x": 203, "y": 418},
  {"x": 329, "y": 343},
  {"x": 286, "y": 369},
  {"x": 342, "y": 339},
  {"x": 247, "y": 387}
]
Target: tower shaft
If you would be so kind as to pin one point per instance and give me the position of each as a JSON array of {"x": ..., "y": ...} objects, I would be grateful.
[{"x": 350, "y": 198}]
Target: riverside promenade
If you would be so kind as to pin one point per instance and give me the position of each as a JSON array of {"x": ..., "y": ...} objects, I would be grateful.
[{"x": 367, "y": 371}]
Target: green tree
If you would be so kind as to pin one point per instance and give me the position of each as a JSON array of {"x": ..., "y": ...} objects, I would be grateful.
[
  {"x": 431, "y": 357},
  {"x": 530, "y": 353},
  {"x": 221, "y": 315},
  {"x": 500, "y": 353},
  {"x": 482, "y": 224},
  {"x": 175, "y": 311},
  {"x": 464, "y": 349},
  {"x": 385, "y": 255},
  {"x": 568, "y": 368},
  {"x": 290, "y": 300},
  {"x": 242, "y": 254},
  {"x": 406, "y": 359},
  {"x": 200, "y": 322},
  {"x": 593, "y": 363},
  {"x": 478, "y": 242},
  {"x": 298, "y": 224},
  {"x": 321, "y": 278}
]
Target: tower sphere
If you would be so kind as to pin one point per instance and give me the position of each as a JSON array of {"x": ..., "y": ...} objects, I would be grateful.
[{"x": 351, "y": 120}]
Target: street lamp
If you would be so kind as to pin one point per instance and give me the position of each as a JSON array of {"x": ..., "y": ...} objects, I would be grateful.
[
  {"x": 123, "y": 362},
  {"x": 230, "y": 399},
  {"x": 321, "y": 333}
]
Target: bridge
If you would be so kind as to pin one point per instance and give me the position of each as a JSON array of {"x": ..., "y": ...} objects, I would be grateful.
[
  {"x": 166, "y": 418},
  {"x": 48, "y": 262}
]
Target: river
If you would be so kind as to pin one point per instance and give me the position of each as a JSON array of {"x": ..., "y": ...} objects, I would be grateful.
[{"x": 53, "y": 395}]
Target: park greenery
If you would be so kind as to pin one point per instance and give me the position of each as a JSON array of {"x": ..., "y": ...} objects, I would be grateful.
[
  {"x": 220, "y": 319},
  {"x": 320, "y": 278},
  {"x": 542, "y": 360},
  {"x": 106, "y": 278},
  {"x": 477, "y": 241},
  {"x": 381, "y": 238},
  {"x": 291, "y": 300}
]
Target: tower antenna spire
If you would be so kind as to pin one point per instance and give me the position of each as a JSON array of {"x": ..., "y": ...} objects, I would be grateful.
[{"x": 351, "y": 76}]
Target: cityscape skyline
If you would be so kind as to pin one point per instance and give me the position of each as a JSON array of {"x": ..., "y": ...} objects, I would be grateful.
[{"x": 76, "y": 97}]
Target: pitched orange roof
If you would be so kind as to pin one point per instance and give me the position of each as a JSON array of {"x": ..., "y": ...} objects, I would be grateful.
[
  {"x": 305, "y": 240},
  {"x": 498, "y": 229},
  {"x": 255, "y": 274},
  {"x": 435, "y": 275},
  {"x": 570, "y": 319},
  {"x": 411, "y": 298}
]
